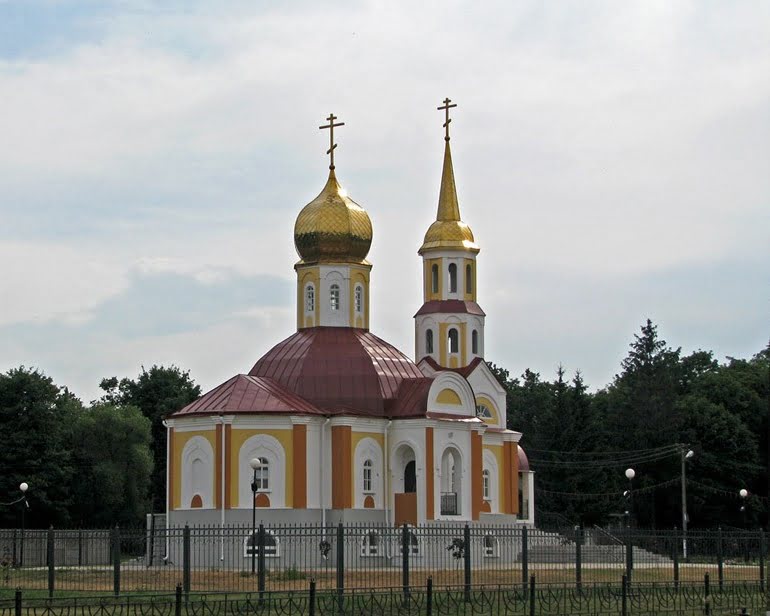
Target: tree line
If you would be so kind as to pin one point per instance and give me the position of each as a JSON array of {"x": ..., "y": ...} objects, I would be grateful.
[
  {"x": 661, "y": 405},
  {"x": 104, "y": 463}
]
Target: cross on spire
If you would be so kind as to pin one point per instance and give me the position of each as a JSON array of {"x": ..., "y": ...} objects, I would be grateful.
[
  {"x": 446, "y": 107},
  {"x": 331, "y": 125}
]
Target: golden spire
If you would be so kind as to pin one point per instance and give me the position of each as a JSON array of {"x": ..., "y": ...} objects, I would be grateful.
[{"x": 448, "y": 231}]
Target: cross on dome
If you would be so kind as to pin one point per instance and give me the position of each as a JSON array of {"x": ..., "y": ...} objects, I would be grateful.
[
  {"x": 446, "y": 107},
  {"x": 332, "y": 146}
]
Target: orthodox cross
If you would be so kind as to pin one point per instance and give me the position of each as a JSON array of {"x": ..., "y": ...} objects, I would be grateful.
[
  {"x": 446, "y": 107},
  {"x": 331, "y": 125}
]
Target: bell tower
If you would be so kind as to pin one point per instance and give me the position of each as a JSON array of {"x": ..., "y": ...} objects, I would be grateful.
[{"x": 449, "y": 327}]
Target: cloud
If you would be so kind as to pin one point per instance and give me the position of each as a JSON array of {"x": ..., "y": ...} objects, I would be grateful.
[{"x": 155, "y": 154}]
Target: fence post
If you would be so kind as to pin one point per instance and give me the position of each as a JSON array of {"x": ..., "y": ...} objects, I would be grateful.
[
  {"x": 261, "y": 561},
  {"x": 429, "y": 598},
  {"x": 80, "y": 547},
  {"x": 178, "y": 601},
  {"x": 311, "y": 599},
  {"x": 761, "y": 560},
  {"x": 532, "y": 596},
  {"x": 624, "y": 596},
  {"x": 50, "y": 557},
  {"x": 340, "y": 566},
  {"x": 17, "y": 603},
  {"x": 706, "y": 594},
  {"x": 467, "y": 559},
  {"x": 720, "y": 559},
  {"x": 578, "y": 558},
  {"x": 405, "y": 547},
  {"x": 629, "y": 556},
  {"x": 186, "y": 559},
  {"x": 116, "y": 560},
  {"x": 15, "y": 562},
  {"x": 675, "y": 559},
  {"x": 524, "y": 557}
]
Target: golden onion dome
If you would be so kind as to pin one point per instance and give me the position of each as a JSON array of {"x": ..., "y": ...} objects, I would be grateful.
[
  {"x": 448, "y": 232},
  {"x": 333, "y": 227}
]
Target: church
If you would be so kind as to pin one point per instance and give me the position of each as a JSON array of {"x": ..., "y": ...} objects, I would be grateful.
[{"x": 333, "y": 424}]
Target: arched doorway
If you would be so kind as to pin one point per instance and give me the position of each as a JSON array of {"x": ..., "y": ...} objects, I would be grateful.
[
  {"x": 451, "y": 482},
  {"x": 410, "y": 477},
  {"x": 404, "y": 468}
]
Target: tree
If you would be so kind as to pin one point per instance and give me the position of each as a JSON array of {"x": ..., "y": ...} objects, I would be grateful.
[
  {"x": 157, "y": 393},
  {"x": 111, "y": 448},
  {"x": 34, "y": 440}
]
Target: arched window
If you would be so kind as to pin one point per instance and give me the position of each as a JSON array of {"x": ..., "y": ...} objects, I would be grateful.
[
  {"x": 309, "y": 298},
  {"x": 429, "y": 341},
  {"x": 475, "y": 342},
  {"x": 454, "y": 342},
  {"x": 334, "y": 297},
  {"x": 490, "y": 546},
  {"x": 359, "y": 299},
  {"x": 452, "y": 278},
  {"x": 271, "y": 543},
  {"x": 414, "y": 545},
  {"x": 434, "y": 278},
  {"x": 485, "y": 483},
  {"x": 262, "y": 475},
  {"x": 468, "y": 279},
  {"x": 371, "y": 544},
  {"x": 483, "y": 412},
  {"x": 368, "y": 477}
]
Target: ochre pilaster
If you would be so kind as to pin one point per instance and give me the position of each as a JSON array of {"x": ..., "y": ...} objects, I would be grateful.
[
  {"x": 299, "y": 483},
  {"x": 477, "y": 488}
]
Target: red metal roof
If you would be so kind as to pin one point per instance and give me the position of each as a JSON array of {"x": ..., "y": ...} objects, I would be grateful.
[
  {"x": 523, "y": 461},
  {"x": 446, "y": 306},
  {"x": 340, "y": 370},
  {"x": 249, "y": 394}
]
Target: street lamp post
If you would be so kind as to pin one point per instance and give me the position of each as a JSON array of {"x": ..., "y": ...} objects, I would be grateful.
[
  {"x": 256, "y": 464},
  {"x": 685, "y": 457},
  {"x": 23, "y": 486},
  {"x": 630, "y": 474},
  {"x": 743, "y": 493}
]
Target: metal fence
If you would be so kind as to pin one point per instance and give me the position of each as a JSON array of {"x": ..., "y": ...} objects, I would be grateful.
[
  {"x": 363, "y": 557},
  {"x": 621, "y": 598}
]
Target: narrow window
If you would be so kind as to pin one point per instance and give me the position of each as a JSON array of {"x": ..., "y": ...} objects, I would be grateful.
[
  {"x": 367, "y": 476},
  {"x": 434, "y": 278},
  {"x": 371, "y": 546},
  {"x": 490, "y": 546},
  {"x": 485, "y": 483},
  {"x": 429, "y": 341},
  {"x": 309, "y": 299},
  {"x": 262, "y": 475},
  {"x": 334, "y": 297},
  {"x": 359, "y": 300},
  {"x": 454, "y": 346},
  {"x": 452, "y": 278},
  {"x": 475, "y": 342},
  {"x": 468, "y": 279}
]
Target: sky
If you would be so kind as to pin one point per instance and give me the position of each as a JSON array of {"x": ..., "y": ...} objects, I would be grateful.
[{"x": 612, "y": 159}]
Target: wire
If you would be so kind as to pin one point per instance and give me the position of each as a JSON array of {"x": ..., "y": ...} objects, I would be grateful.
[{"x": 616, "y": 494}]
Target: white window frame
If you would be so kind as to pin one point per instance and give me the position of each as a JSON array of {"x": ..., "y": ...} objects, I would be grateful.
[
  {"x": 263, "y": 476},
  {"x": 368, "y": 481},
  {"x": 270, "y": 551},
  {"x": 367, "y": 549},
  {"x": 485, "y": 483},
  {"x": 334, "y": 297},
  {"x": 482, "y": 411},
  {"x": 493, "y": 550},
  {"x": 449, "y": 341},
  {"x": 309, "y": 299}
]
